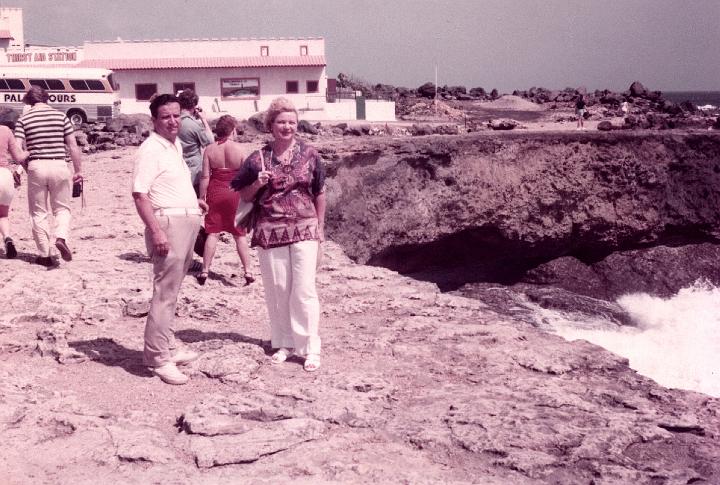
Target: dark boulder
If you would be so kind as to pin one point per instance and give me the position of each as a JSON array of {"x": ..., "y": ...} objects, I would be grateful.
[
  {"x": 502, "y": 125},
  {"x": 304, "y": 126},
  {"x": 605, "y": 125},
  {"x": 637, "y": 90},
  {"x": 421, "y": 130},
  {"x": 257, "y": 122},
  {"x": 138, "y": 123},
  {"x": 613, "y": 99},
  {"x": 688, "y": 106},
  {"x": 670, "y": 107},
  {"x": 427, "y": 90},
  {"x": 661, "y": 270}
]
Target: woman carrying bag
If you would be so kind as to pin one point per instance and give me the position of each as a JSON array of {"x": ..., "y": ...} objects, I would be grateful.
[{"x": 285, "y": 179}]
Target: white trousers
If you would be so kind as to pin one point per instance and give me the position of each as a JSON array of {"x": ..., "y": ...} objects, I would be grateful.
[
  {"x": 49, "y": 180},
  {"x": 288, "y": 274}
]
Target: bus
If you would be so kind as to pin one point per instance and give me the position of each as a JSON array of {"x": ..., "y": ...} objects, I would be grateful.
[{"x": 84, "y": 94}]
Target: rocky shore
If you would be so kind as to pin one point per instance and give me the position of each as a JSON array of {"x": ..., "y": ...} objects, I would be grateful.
[{"x": 417, "y": 385}]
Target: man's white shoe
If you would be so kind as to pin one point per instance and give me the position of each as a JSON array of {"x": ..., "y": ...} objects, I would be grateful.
[
  {"x": 184, "y": 356},
  {"x": 170, "y": 374}
]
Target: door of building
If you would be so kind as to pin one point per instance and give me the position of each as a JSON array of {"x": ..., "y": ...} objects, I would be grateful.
[{"x": 360, "y": 108}]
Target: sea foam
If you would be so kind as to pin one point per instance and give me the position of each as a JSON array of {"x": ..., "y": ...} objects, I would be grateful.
[{"x": 676, "y": 341}]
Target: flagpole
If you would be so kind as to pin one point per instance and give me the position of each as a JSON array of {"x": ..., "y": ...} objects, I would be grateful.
[{"x": 436, "y": 89}]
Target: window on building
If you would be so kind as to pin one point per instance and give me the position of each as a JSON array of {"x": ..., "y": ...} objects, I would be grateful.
[
  {"x": 179, "y": 87},
  {"x": 303, "y": 50},
  {"x": 240, "y": 88},
  {"x": 312, "y": 86},
  {"x": 264, "y": 50},
  {"x": 143, "y": 92},
  {"x": 292, "y": 87}
]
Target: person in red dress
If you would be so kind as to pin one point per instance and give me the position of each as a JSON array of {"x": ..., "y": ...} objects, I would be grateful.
[{"x": 221, "y": 162}]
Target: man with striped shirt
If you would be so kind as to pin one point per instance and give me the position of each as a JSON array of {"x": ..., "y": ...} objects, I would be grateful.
[{"x": 49, "y": 137}]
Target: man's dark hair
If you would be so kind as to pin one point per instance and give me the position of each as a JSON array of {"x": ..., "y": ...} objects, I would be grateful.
[
  {"x": 188, "y": 99},
  {"x": 161, "y": 100},
  {"x": 35, "y": 95}
]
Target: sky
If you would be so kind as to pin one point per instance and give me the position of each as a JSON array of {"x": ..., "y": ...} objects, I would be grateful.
[{"x": 668, "y": 45}]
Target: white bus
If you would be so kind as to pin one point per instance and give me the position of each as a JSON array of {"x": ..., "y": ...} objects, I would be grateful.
[{"x": 84, "y": 94}]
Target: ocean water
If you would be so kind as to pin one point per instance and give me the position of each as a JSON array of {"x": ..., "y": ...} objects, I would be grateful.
[
  {"x": 676, "y": 341},
  {"x": 699, "y": 98}
]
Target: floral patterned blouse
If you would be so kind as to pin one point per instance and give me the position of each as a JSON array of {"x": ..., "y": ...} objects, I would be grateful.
[{"x": 285, "y": 208}]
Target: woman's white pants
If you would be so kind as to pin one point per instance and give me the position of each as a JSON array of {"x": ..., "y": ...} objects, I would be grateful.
[{"x": 288, "y": 274}]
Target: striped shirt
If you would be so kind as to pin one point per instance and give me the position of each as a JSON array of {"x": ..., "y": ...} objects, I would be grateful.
[{"x": 44, "y": 130}]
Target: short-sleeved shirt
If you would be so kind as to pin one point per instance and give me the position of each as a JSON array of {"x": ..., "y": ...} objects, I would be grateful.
[
  {"x": 285, "y": 207},
  {"x": 44, "y": 130},
  {"x": 193, "y": 138},
  {"x": 161, "y": 173}
]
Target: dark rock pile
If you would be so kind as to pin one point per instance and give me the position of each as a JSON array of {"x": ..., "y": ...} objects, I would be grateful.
[
  {"x": 649, "y": 109},
  {"x": 125, "y": 130}
]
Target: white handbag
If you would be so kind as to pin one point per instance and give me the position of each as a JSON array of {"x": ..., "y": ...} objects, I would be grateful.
[{"x": 245, "y": 209}]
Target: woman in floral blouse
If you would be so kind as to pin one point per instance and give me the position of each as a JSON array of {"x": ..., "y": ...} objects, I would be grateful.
[{"x": 286, "y": 180}]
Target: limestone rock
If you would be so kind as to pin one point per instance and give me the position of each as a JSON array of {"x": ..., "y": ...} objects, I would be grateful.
[{"x": 262, "y": 440}]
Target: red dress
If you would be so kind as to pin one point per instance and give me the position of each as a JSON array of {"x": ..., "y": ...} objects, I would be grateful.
[{"x": 223, "y": 202}]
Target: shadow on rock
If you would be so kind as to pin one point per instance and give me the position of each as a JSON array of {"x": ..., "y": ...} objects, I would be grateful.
[
  {"x": 135, "y": 256},
  {"x": 108, "y": 352},
  {"x": 192, "y": 336}
]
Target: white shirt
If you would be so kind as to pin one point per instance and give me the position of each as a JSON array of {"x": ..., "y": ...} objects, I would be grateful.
[{"x": 162, "y": 174}]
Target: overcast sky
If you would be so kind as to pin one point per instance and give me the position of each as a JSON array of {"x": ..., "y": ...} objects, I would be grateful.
[{"x": 669, "y": 45}]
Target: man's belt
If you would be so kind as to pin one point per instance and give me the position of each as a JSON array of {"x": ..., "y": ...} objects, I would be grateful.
[{"x": 178, "y": 211}]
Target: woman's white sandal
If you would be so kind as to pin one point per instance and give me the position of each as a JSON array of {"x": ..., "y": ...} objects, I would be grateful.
[
  {"x": 281, "y": 356},
  {"x": 312, "y": 363}
]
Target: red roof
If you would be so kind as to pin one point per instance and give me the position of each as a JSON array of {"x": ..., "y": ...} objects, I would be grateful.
[
  {"x": 5, "y": 34},
  {"x": 204, "y": 62}
]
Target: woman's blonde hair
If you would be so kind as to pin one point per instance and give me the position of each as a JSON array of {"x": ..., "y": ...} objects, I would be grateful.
[{"x": 278, "y": 105}]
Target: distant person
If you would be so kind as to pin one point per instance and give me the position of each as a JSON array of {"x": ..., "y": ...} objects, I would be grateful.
[
  {"x": 9, "y": 181},
  {"x": 580, "y": 112},
  {"x": 167, "y": 204},
  {"x": 625, "y": 107},
  {"x": 221, "y": 162},
  {"x": 286, "y": 177},
  {"x": 194, "y": 135},
  {"x": 50, "y": 138}
]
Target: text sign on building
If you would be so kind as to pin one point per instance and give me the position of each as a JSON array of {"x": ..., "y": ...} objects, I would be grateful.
[{"x": 42, "y": 57}]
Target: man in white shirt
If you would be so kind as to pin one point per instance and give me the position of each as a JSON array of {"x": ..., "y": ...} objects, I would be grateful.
[{"x": 167, "y": 204}]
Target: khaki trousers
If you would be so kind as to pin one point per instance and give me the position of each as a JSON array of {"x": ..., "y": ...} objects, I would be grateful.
[
  {"x": 49, "y": 181},
  {"x": 168, "y": 274},
  {"x": 288, "y": 274}
]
